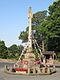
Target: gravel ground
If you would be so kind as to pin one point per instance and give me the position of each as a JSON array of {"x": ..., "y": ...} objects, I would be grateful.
[{"x": 5, "y": 76}]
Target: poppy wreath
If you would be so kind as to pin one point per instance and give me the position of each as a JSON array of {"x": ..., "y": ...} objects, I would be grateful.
[
  {"x": 20, "y": 62},
  {"x": 26, "y": 62},
  {"x": 46, "y": 69},
  {"x": 38, "y": 62},
  {"x": 35, "y": 62}
]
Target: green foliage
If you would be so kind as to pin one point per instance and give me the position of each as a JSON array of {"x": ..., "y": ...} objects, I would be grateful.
[
  {"x": 14, "y": 51},
  {"x": 23, "y": 36},
  {"x": 3, "y": 50},
  {"x": 20, "y": 48},
  {"x": 54, "y": 19},
  {"x": 39, "y": 17},
  {"x": 50, "y": 28},
  {"x": 53, "y": 26},
  {"x": 58, "y": 56}
]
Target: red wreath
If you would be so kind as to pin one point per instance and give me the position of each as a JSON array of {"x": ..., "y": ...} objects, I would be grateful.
[
  {"x": 35, "y": 62},
  {"x": 46, "y": 69},
  {"x": 38, "y": 62},
  {"x": 26, "y": 62},
  {"x": 21, "y": 69},
  {"x": 20, "y": 62}
]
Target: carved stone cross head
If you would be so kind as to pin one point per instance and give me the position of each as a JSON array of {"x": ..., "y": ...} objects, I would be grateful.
[{"x": 30, "y": 15}]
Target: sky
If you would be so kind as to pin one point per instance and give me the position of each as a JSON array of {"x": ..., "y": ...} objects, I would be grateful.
[{"x": 14, "y": 17}]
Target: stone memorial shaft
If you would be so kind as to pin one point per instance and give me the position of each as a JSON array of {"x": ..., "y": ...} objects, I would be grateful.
[
  {"x": 30, "y": 16},
  {"x": 29, "y": 48}
]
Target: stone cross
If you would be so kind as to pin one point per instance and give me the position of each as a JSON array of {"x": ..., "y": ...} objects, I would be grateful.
[
  {"x": 29, "y": 54},
  {"x": 30, "y": 16}
]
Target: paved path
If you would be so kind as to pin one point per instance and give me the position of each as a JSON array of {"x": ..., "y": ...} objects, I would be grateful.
[{"x": 5, "y": 76}]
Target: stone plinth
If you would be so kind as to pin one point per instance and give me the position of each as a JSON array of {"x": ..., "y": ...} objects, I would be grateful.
[
  {"x": 21, "y": 72},
  {"x": 29, "y": 55}
]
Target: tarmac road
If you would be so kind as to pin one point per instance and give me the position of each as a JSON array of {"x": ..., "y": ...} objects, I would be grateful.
[{"x": 5, "y": 76}]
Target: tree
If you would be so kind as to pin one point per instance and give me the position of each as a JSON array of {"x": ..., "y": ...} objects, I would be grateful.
[
  {"x": 14, "y": 51},
  {"x": 20, "y": 48},
  {"x": 53, "y": 26},
  {"x": 23, "y": 36},
  {"x": 50, "y": 28},
  {"x": 39, "y": 17},
  {"x": 3, "y": 50},
  {"x": 54, "y": 19}
]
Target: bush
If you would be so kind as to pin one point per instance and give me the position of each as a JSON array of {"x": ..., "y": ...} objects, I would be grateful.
[{"x": 58, "y": 56}]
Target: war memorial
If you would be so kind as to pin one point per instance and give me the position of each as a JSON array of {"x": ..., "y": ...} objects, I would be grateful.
[{"x": 27, "y": 63}]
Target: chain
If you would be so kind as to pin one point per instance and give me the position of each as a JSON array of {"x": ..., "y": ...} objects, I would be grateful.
[
  {"x": 35, "y": 46},
  {"x": 38, "y": 47}
]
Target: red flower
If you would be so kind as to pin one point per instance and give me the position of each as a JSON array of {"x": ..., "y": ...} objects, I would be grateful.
[
  {"x": 46, "y": 69},
  {"x": 26, "y": 62},
  {"x": 20, "y": 62},
  {"x": 38, "y": 62},
  {"x": 34, "y": 61}
]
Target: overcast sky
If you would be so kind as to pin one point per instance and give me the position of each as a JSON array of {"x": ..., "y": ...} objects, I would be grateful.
[{"x": 14, "y": 17}]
